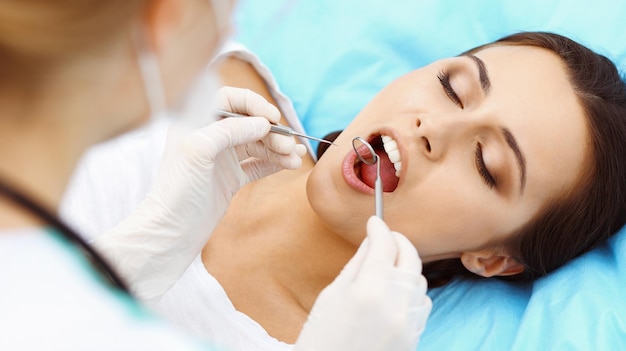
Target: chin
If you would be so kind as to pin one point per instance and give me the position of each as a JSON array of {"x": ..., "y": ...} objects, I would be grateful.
[
  {"x": 336, "y": 208},
  {"x": 321, "y": 193}
]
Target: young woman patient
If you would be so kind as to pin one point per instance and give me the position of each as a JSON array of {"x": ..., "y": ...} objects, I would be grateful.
[{"x": 507, "y": 160}]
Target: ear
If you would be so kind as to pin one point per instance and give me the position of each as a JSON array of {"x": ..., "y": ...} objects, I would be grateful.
[{"x": 490, "y": 263}]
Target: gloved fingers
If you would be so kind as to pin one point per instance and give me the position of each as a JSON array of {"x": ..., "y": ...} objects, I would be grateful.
[
  {"x": 410, "y": 263},
  {"x": 383, "y": 249},
  {"x": 420, "y": 301},
  {"x": 404, "y": 277},
  {"x": 257, "y": 169},
  {"x": 230, "y": 132},
  {"x": 421, "y": 312},
  {"x": 245, "y": 151},
  {"x": 300, "y": 150},
  {"x": 408, "y": 257},
  {"x": 411, "y": 285},
  {"x": 282, "y": 144},
  {"x": 258, "y": 150},
  {"x": 246, "y": 102},
  {"x": 422, "y": 287},
  {"x": 351, "y": 270},
  {"x": 425, "y": 307},
  {"x": 412, "y": 281}
]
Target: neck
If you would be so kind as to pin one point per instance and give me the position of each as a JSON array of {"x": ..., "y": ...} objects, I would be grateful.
[
  {"x": 272, "y": 254},
  {"x": 285, "y": 238},
  {"x": 36, "y": 159}
]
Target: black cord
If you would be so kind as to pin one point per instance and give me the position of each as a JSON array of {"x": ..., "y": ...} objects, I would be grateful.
[{"x": 96, "y": 259}]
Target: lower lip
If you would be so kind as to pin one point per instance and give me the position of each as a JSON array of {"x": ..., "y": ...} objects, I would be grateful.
[{"x": 350, "y": 176}]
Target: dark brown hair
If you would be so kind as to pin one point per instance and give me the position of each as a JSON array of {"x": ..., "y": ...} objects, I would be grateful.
[{"x": 596, "y": 209}]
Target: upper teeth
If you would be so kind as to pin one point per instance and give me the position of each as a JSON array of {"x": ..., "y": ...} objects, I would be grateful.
[{"x": 391, "y": 147}]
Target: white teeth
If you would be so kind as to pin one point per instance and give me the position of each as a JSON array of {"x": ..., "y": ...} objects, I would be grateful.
[{"x": 391, "y": 148}]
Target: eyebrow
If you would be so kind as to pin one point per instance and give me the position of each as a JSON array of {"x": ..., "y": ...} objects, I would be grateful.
[
  {"x": 521, "y": 160},
  {"x": 485, "y": 83}
]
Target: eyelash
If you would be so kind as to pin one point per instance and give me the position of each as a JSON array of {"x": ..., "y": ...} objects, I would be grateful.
[
  {"x": 482, "y": 168},
  {"x": 444, "y": 79}
]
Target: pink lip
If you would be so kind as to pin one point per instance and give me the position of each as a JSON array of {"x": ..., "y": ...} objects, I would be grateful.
[
  {"x": 353, "y": 180},
  {"x": 350, "y": 176}
]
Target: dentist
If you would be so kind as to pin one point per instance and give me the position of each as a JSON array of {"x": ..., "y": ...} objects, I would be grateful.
[{"x": 77, "y": 73}]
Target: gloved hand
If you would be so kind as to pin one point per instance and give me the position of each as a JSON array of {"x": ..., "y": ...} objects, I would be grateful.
[
  {"x": 201, "y": 170},
  {"x": 377, "y": 303},
  {"x": 281, "y": 151}
]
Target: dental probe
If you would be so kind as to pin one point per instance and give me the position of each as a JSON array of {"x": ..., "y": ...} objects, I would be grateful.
[
  {"x": 360, "y": 145},
  {"x": 276, "y": 128}
]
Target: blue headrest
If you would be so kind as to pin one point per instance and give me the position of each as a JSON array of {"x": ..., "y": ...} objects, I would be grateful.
[{"x": 332, "y": 57}]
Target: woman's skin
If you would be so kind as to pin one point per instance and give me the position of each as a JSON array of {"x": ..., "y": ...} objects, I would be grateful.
[{"x": 274, "y": 260}]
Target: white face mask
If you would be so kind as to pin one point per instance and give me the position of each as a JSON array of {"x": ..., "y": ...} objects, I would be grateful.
[
  {"x": 197, "y": 106},
  {"x": 222, "y": 18}
]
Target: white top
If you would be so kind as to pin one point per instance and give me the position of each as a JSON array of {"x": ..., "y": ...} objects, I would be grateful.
[
  {"x": 52, "y": 299},
  {"x": 199, "y": 303}
]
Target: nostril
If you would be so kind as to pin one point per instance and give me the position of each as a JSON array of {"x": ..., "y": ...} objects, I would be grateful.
[{"x": 426, "y": 144}]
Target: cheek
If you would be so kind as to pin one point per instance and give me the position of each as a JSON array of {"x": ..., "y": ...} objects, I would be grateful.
[
  {"x": 445, "y": 214},
  {"x": 339, "y": 208}
]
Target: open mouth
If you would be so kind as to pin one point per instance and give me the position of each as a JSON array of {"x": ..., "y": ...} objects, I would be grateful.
[{"x": 386, "y": 149}]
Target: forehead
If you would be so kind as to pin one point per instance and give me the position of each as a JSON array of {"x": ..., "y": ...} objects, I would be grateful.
[{"x": 532, "y": 95}]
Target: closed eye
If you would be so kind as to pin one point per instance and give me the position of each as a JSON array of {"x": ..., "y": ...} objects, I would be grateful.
[
  {"x": 444, "y": 79},
  {"x": 482, "y": 168}
]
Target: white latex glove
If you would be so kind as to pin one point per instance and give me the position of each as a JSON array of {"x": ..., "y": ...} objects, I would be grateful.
[
  {"x": 377, "y": 303},
  {"x": 201, "y": 170}
]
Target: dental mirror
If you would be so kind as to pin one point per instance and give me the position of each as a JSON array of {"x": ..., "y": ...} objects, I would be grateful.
[{"x": 366, "y": 154}]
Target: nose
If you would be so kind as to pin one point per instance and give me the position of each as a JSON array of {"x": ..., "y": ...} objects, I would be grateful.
[{"x": 438, "y": 133}]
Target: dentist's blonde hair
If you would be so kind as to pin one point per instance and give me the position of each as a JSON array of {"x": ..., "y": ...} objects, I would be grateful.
[{"x": 38, "y": 35}]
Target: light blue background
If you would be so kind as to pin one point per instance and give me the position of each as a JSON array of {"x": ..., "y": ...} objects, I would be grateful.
[{"x": 332, "y": 56}]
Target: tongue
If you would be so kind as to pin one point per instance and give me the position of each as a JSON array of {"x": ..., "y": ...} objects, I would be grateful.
[{"x": 387, "y": 173}]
